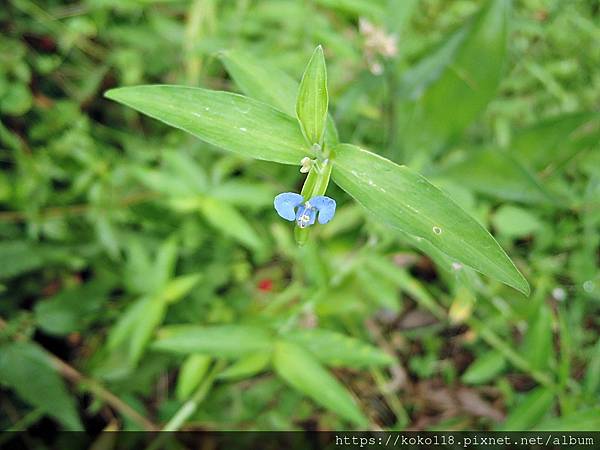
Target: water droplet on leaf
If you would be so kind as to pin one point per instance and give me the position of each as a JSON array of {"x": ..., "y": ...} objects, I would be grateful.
[{"x": 559, "y": 294}]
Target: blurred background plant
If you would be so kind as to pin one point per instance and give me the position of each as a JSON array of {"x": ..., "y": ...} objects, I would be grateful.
[{"x": 127, "y": 246}]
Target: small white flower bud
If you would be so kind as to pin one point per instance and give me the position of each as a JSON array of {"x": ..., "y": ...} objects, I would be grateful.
[{"x": 306, "y": 164}]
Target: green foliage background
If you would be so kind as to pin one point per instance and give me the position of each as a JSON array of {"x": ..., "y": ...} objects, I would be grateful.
[{"x": 147, "y": 282}]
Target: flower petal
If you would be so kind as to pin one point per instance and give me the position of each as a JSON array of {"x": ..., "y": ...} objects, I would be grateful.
[
  {"x": 326, "y": 207},
  {"x": 305, "y": 217},
  {"x": 286, "y": 203}
]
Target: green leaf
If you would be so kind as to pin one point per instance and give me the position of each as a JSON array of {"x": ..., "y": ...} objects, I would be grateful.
[
  {"x": 72, "y": 309},
  {"x": 154, "y": 314},
  {"x": 163, "y": 265},
  {"x": 124, "y": 327},
  {"x": 338, "y": 350},
  {"x": 313, "y": 100},
  {"x": 358, "y": 8},
  {"x": 150, "y": 317},
  {"x": 466, "y": 71},
  {"x": 17, "y": 100},
  {"x": 191, "y": 374},
  {"x": 246, "y": 367},
  {"x": 244, "y": 194},
  {"x": 186, "y": 168},
  {"x": 586, "y": 420},
  {"x": 537, "y": 345},
  {"x": 532, "y": 408},
  {"x": 427, "y": 71},
  {"x": 179, "y": 287},
  {"x": 303, "y": 372},
  {"x": 261, "y": 81},
  {"x": 407, "y": 201},
  {"x": 378, "y": 289},
  {"x": 24, "y": 256},
  {"x": 509, "y": 180},
  {"x": 221, "y": 341},
  {"x": 27, "y": 369},
  {"x": 163, "y": 182},
  {"x": 21, "y": 257},
  {"x": 513, "y": 221},
  {"x": 230, "y": 121},
  {"x": 229, "y": 221},
  {"x": 592, "y": 374},
  {"x": 554, "y": 140},
  {"x": 485, "y": 368},
  {"x": 135, "y": 328}
]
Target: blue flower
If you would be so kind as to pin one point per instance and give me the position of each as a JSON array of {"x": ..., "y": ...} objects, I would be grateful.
[{"x": 291, "y": 206}]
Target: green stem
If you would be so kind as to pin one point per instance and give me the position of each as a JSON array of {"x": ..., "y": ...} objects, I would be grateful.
[
  {"x": 322, "y": 181},
  {"x": 309, "y": 183},
  {"x": 190, "y": 406},
  {"x": 402, "y": 417},
  {"x": 391, "y": 116},
  {"x": 315, "y": 184},
  {"x": 21, "y": 425},
  {"x": 26, "y": 421}
]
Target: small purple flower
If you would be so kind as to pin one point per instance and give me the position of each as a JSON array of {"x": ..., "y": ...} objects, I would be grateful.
[{"x": 291, "y": 206}]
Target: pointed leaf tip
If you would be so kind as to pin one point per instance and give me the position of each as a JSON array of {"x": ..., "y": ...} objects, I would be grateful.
[
  {"x": 313, "y": 100},
  {"x": 407, "y": 201}
]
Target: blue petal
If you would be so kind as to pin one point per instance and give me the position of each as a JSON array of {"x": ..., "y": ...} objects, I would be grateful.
[
  {"x": 326, "y": 207},
  {"x": 286, "y": 203},
  {"x": 305, "y": 217}
]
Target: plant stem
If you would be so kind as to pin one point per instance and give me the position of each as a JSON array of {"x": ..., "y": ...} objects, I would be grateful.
[
  {"x": 190, "y": 406},
  {"x": 58, "y": 28},
  {"x": 390, "y": 114},
  {"x": 26, "y": 421},
  {"x": 94, "y": 387},
  {"x": 402, "y": 417}
]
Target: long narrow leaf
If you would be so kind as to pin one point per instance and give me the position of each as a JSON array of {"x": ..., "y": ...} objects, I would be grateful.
[
  {"x": 222, "y": 341},
  {"x": 27, "y": 369},
  {"x": 336, "y": 349},
  {"x": 405, "y": 200},
  {"x": 313, "y": 99},
  {"x": 230, "y": 121},
  {"x": 303, "y": 372},
  {"x": 260, "y": 81}
]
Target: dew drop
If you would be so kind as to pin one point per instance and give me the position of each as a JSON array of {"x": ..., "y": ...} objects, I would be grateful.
[
  {"x": 559, "y": 294},
  {"x": 457, "y": 265},
  {"x": 243, "y": 129},
  {"x": 437, "y": 230}
]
